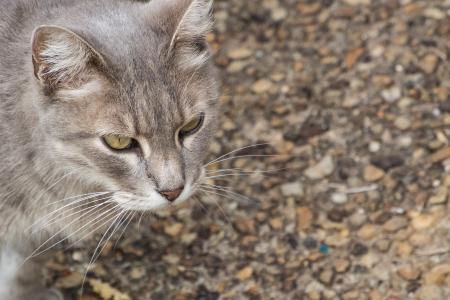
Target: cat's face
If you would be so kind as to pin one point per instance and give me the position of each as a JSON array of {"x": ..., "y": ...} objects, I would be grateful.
[{"x": 133, "y": 109}]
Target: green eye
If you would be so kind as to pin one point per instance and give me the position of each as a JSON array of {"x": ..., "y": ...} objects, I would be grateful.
[
  {"x": 118, "y": 142},
  {"x": 192, "y": 126}
]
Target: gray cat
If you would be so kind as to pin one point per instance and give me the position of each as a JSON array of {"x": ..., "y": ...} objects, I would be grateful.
[{"x": 106, "y": 108}]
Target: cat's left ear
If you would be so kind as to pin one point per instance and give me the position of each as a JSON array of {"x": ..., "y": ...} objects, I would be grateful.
[
  {"x": 192, "y": 23},
  {"x": 61, "y": 58}
]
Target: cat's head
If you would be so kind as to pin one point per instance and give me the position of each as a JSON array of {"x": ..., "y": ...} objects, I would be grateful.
[{"x": 129, "y": 96}]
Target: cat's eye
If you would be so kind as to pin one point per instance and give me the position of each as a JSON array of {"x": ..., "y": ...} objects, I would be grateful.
[
  {"x": 118, "y": 142},
  {"x": 192, "y": 126}
]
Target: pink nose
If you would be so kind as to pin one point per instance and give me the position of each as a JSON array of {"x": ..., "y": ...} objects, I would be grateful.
[{"x": 172, "y": 195}]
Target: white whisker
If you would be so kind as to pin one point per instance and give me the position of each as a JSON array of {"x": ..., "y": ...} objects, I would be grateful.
[{"x": 236, "y": 150}]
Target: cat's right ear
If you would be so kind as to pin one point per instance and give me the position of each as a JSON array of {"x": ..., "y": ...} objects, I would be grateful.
[{"x": 61, "y": 58}]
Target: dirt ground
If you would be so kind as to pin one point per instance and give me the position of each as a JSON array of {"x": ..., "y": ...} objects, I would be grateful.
[{"x": 352, "y": 99}]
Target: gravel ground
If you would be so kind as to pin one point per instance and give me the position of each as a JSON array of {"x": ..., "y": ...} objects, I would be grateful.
[{"x": 352, "y": 96}]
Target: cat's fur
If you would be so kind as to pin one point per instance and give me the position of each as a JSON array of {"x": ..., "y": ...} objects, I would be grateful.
[{"x": 97, "y": 67}]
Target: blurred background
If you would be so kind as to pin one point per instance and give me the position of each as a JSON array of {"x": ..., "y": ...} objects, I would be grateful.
[{"x": 347, "y": 195}]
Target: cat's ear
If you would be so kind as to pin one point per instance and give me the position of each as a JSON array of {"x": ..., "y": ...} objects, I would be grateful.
[
  {"x": 61, "y": 58},
  {"x": 192, "y": 23}
]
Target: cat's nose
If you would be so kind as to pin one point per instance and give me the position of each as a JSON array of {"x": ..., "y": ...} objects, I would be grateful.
[{"x": 173, "y": 194}]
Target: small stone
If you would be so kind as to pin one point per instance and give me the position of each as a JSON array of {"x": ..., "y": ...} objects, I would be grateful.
[
  {"x": 370, "y": 260},
  {"x": 339, "y": 198},
  {"x": 245, "y": 273},
  {"x": 350, "y": 102},
  {"x": 396, "y": 223},
  {"x": 279, "y": 14},
  {"x": 359, "y": 249},
  {"x": 240, "y": 53},
  {"x": 431, "y": 292},
  {"x": 440, "y": 197},
  {"x": 292, "y": 189},
  {"x": 392, "y": 94},
  {"x": 341, "y": 265},
  {"x": 368, "y": 232},
  {"x": 387, "y": 162},
  {"x": 137, "y": 273},
  {"x": 352, "y": 57},
  {"x": 408, "y": 272},
  {"x": 188, "y": 238},
  {"x": 438, "y": 274},
  {"x": 323, "y": 168},
  {"x": 174, "y": 229},
  {"x": 423, "y": 221},
  {"x": 310, "y": 243},
  {"x": 358, "y": 2},
  {"x": 372, "y": 173},
  {"x": 404, "y": 249},
  {"x": 305, "y": 218},
  {"x": 309, "y": 8},
  {"x": 434, "y": 13},
  {"x": 73, "y": 280},
  {"x": 383, "y": 245},
  {"x": 326, "y": 276},
  {"x": 402, "y": 123},
  {"x": 358, "y": 219},
  {"x": 262, "y": 86},
  {"x": 429, "y": 63},
  {"x": 375, "y": 295},
  {"x": 236, "y": 66},
  {"x": 352, "y": 295},
  {"x": 276, "y": 223}
]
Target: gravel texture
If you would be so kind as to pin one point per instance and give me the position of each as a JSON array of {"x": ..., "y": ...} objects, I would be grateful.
[{"x": 353, "y": 98}]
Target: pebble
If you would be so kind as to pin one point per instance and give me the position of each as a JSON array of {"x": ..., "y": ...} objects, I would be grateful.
[
  {"x": 173, "y": 229},
  {"x": 358, "y": 2},
  {"x": 341, "y": 265},
  {"x": 326, "y": 277},
  {"x": 441, "y": 197},
  {"x": 438, "y": 274},
  {"x": 423, "y": 221},
  {"x": 292, "y": 189},
  {"x": 323, "y": 168},
  {"x": 372, "y": 173},
  {"x": 359, "y": 249},
  {"x": 402, "y": 123},
  {"x": 431, "y": 292},
  {"x": 368, "y": 232},
  {"x": 434, "y": 13},
  {"x": 408, "y": 272},
  {"x": 262, "y": 86},
  {"x": 305, "y": 218},
  {"x": 240, "y": 53},
  {"x": 395, "y": 224},
  {"x": 429, "y": 63},
  {"x": 339, "y": 198},
  {"x": 392, "y": 94},
  {"x": 73, "y": 280},
  {"x": 245, "y": 273}
]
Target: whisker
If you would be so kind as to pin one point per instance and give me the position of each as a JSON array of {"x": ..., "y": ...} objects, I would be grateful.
[
  {"x": 44, "y": 218},
  {"x": 245, "y": 171},
  {"x": 236, "y": 150},
  {"x": 113, "y": 226},
  {"x": 227, "y": 190},
  {"x": 35, "y": 252},
  {"x": 131, "y": 215},
  {"x": 220, "y": 208},
  {"x": 241, "y": 156},
  {"x": 74, "y": 197},
  {"x": 220, "y": 193}
]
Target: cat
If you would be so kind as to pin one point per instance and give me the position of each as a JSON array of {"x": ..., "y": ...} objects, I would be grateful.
[{"x": 106, "y": 107}]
